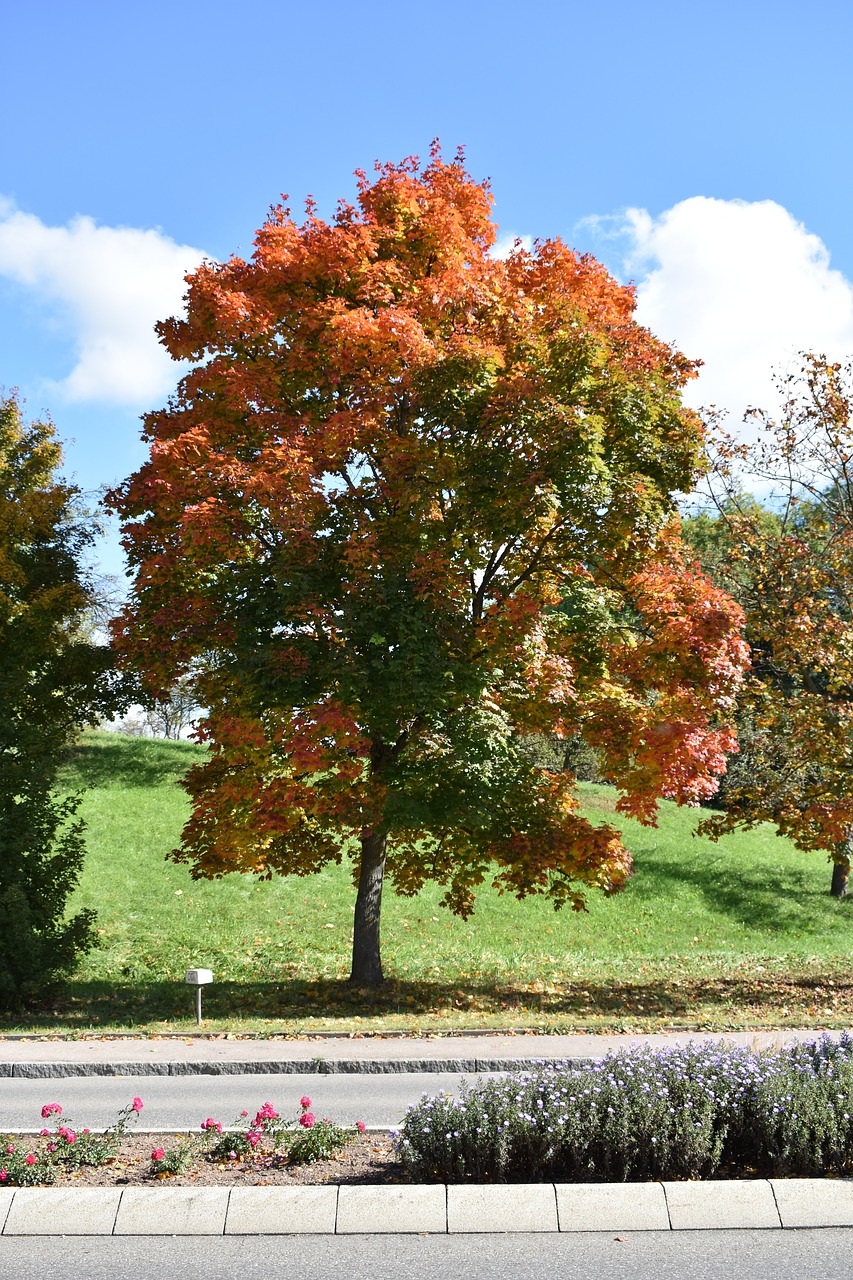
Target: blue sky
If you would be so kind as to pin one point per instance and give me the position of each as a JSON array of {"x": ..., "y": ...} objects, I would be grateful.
[{"x": 702, "y": 150}]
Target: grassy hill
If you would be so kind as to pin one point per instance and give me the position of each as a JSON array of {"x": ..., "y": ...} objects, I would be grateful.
[{"x": 742, "y": 933}]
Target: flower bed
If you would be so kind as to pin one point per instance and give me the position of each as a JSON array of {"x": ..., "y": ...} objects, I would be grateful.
[
  {"x": 367, "y": 1159},
  {"x": 262, "y": 1144},
  {"x": 639, "y": 1114},
  {"x": 696, "y": 1112}
]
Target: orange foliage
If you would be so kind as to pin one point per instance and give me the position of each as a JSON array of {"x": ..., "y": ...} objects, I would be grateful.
[
  {"x": 412, "y": 503},
  {"x": 790, "y": 562}
]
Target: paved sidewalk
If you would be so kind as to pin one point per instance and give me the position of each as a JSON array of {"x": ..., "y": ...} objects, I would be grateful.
[
  {"x": 427, "y": 1209},
  {"x": 327, "y": 1055}
]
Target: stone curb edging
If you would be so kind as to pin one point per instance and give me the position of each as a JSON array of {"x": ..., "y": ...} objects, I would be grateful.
[
  {"x": 283, "y": 1067},
  {"x": 431, "y": 1209}
]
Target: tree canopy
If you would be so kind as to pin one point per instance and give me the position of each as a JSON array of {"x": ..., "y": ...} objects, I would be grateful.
[
  {"x": 789, "y": 562},
  {"x": 412, "y": 503},
  {"x": 52, "y": 679}
]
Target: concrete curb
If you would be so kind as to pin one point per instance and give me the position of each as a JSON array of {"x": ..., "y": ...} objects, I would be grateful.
[
  {"x": 427, "y": 1209},
  {"x": 285, "y": 1067},
  {"x": 368, "y": 1055}
]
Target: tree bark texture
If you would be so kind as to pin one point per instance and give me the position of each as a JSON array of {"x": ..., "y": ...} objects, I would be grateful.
[
  {"x": 366, "y": 957},
  {"x": 841, "y": 868}
]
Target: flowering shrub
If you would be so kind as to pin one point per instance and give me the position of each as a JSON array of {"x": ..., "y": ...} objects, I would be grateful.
[
  {"x": 318, "y": 1139},
  {"x": 304, "y": 1140},
  {"x": 63, "y": 1147},
  {"x": 21, "y": 1168},
  {"x": 177, "y": 1159},
  {"x": 267, "y": 1126},
  {"x": 695, "y": 1112}
]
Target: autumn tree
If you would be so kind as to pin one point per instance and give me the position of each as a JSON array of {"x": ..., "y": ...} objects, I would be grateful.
[
  {"x": 52, "y": 679},
  {"x": 412, "y": 504},
  {"x": 789, "y": 562}
]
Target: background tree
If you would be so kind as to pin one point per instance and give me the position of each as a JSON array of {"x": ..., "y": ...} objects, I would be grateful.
[
  {"x": 412, "y": 505},
  {"x": 52, "y": 679},
  {"x": 171, "y": 716},
  {"x": 789, "y": 563}
]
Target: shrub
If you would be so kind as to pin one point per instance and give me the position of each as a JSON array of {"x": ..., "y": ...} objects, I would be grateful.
[
  {"x": 319, "y": 1141},
  {"x": 177, "y": 1159},
  {"x": 53, "y": 678},
  {"x": 695, "y": 1112}
]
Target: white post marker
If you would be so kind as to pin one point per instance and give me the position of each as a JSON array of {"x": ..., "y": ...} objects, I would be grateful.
[{"x": 198, "y": 978}]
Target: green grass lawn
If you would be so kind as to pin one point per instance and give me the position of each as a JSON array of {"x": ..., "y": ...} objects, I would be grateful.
[{"x": 741, "y": 933}]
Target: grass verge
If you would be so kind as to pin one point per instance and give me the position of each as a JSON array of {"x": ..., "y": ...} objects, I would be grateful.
[{"x": 738, "y": 934}]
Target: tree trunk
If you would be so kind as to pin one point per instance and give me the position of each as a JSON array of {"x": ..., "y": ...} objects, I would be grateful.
[
  {"x": 366, "y": 958},
  {"x": 841, "y": 868}
]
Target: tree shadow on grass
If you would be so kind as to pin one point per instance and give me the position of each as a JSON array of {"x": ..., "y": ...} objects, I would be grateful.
[
  {"x": 117, "y": 760},
  {"x": 305, "y": 1006},
  {"x": 788, "y": 903}
]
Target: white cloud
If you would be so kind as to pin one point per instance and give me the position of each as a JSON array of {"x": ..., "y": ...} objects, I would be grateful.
[
  {"x": 104, "y": 287},
  {"x": 742, "y": 286}
]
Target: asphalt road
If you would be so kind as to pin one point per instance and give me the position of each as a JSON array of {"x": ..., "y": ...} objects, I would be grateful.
[
  {"x": 653, "y": 1255},
  {"x": 182, "y": 1102}
]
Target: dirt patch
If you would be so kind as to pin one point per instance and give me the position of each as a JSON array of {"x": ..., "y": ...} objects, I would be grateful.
[{"x": 365, "y": 1160}]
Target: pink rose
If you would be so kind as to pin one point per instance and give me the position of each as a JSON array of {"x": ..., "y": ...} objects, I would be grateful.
[
  {"x": 244, "y": 1113},
  {"x": 210, "y": 1123},
  {"x": 44, "y": 1133},
  {"x": 253, "y": 1138},
  {"x": 4, "y": 1173},
  {"x": 306, "y": 1120},
  {"x": 137, "y": 1105},
  {"x": 158, "y": 1154},
  {"x": 360, "y": 1125},
  {"x": 51, "y": 1146},
  {"x": 10, "y": 1148},
  {"x": 30, "y": 1158},
  {"x": 305, "y": 1103},
  {"x": 52, "y": 1109}
]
